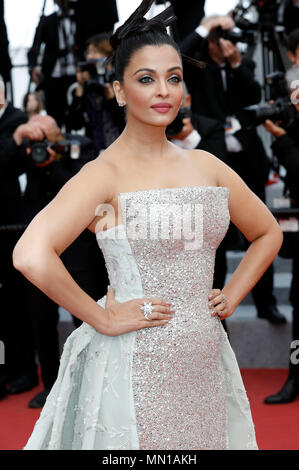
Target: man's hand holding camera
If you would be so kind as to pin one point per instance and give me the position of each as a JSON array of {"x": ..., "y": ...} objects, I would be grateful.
[
  {"x": 274, "y": 128},
  {"x": 83, "y": 79},
  {"x": 230, "y": 52},
  {"x": 36, "y": 130},
  {"x": 227, "y": 50}
]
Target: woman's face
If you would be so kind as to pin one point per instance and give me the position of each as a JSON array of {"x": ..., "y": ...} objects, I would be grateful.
[{"x": 153, "y": 76}]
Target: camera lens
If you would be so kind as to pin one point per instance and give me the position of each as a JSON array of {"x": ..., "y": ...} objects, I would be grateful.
[{"x": 39, "y": 152}]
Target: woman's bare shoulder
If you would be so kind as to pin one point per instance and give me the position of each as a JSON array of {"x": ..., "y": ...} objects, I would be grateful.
[
  {"x": 98, "y": 173},
  {"x": 209, "y": 159},
  {"x": 221, "y": 172},
  {"x": 99, "y": 165},
  {"x": 208, "y": 163}
]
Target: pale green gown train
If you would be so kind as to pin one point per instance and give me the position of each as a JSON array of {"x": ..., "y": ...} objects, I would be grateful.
[{"x": 171, "y": 387}]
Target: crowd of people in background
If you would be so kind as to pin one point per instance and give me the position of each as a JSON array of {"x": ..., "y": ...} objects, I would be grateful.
[{"x": 71, "y": 115}]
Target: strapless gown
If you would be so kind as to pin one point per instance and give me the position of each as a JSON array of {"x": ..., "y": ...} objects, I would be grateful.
[{"x": 172, "y": 387}]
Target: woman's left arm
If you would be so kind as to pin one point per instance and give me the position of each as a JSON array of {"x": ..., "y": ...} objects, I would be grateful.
[{"x": 252, "y": 217}]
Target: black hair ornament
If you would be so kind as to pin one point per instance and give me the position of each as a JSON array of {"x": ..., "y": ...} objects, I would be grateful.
[{"x": 137, "y": 24}]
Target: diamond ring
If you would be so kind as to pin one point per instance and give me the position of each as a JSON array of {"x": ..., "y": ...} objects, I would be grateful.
[{"x": 147, "y": 309}]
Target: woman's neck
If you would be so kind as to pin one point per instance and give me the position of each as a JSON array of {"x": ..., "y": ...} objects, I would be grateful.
[{"x": 147, "y": 141}]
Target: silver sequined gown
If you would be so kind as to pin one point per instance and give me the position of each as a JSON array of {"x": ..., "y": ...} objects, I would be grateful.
[{"x": 172, "y": 387}]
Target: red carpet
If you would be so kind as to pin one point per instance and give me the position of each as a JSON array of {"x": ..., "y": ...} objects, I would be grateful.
[{"x": 277, "y": 426}]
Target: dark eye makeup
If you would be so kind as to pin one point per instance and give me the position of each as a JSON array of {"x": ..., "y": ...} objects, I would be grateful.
[{"x": 148, "y": 79}]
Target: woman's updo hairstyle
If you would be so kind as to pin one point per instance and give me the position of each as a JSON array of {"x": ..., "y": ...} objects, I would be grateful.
[{"x": 138, "y": 32}]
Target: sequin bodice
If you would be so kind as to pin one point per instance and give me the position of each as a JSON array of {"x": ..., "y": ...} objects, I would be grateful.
[{"x": 171, "y": 234}]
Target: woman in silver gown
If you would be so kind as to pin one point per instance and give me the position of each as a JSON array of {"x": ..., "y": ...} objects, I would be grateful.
[{"x": 151, "y": 366}]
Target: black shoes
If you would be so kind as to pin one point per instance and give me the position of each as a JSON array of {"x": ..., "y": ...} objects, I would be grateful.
[
  {"x": 272, "y": 314},
  {"x": 22, "y": 384},
  {"x": 288, "y": 393},
  {"x": 40, "y": 399}
]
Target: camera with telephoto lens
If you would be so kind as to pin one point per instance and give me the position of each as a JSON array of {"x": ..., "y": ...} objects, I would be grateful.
[
  {"x": 39, "y": 149},
  {"x": 175, "y": 127},
  {"x": 99, "y": 75},
  {"x": 235, "y": 36},
  {"x": 281, "y": 110}
]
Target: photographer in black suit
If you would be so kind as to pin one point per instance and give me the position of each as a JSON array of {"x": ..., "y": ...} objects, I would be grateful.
[
  {"x": 14, "y": 318},
  {"x": 49, "y": 164},
  {"x": 286, "y": 149},
  {"x": 64, "y": 34},
  {"x": 58, "y": 69},
  {"x": 92, "y": 101},
  {"x": 222, "y": 90}
]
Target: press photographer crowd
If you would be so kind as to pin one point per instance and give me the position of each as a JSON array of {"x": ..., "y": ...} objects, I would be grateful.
[{"x": 70, "y": 115}]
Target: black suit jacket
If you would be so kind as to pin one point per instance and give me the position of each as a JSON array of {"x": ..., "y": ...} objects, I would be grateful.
[
  {"x": 290, "y": 16},
  {"x": 10, "y": 192},
  {"x": 189, "y": 14},
  {"x": 286, "y": 149},
  {"x": 212, "y": 135},
  {"x": 94, "y": 17}
]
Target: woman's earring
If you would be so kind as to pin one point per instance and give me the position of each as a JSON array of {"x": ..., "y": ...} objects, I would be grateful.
[{"x": 121, "y": 104}]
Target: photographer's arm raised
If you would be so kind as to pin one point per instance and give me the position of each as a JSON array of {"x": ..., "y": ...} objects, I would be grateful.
[{"x": 53, "y": 229}]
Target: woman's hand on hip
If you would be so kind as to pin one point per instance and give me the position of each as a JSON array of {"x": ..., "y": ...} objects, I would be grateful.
[{"x": 124, "y": 317}]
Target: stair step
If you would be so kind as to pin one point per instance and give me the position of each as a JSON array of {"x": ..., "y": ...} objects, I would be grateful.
[
  {"x": 258, "y": 343},
  {"x": 249, "y": 313}
]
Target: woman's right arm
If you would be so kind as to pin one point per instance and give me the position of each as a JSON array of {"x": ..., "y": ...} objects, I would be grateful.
[{"x": 37, "y": 253}]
